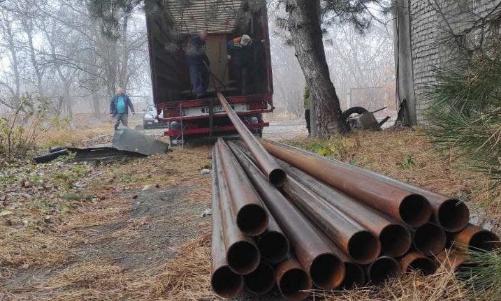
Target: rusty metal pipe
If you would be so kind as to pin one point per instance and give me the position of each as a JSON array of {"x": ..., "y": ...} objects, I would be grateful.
[
  {"x": 410, "y": 208},
  {"x": 241, "y": 252},
  {"x": 224, "y": 282},
  {"x": 266, "y": 163},
  {"x": 261, "y": 281},
  {"x": 251, "y": 217},
  {"x": 394, "y": 237},
  {"x": 293, "y": 281},
  {"x": 313, "y": 252},
  {"x": 353, "y": 239},
  {"x": 476, "y": 238},
  {"x": 273, "y": 244},
  {"x": 355, "y": 275},
  {"x": 382, "y": 269},
  {"x": 430, "y": 239},
  {"x": 417, "y": 261},
  {"x": 450, "y": 213}
]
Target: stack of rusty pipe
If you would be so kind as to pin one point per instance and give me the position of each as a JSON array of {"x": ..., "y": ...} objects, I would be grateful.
[{"x": 287, "y": 218}]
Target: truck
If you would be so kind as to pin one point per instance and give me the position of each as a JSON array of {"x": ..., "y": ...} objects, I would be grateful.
[{"x": 170, "y": 25}]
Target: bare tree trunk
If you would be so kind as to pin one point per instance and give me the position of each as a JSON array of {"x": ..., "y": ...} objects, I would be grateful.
[
  {"x": 123, "y": 80},
  {"x": 306, "y": 32},
  {"x": 28, "y": 29}
]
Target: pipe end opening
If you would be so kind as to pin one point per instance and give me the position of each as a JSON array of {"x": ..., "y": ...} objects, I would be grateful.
[
  {"x": 484, "y": 240},
  {"x": 273, "y": 246},
  {"x": 395, "y": 240},
  {"x": 355, "y": 275},
  {"x": 364, "y": 247},
  {"x": 453, "y": 215},
  {"x": 415, "y": 210},
  {"x": 261, "y": 280},
  {"x": 225, "y": 283},
  {"x": 252, "y": 219},
  {"x": 383, "y": 269},
  {"x": 277, "y": 177},
  {"x": 327, "y": 271},
  {"x": 294, "y": 284},
  {"x": 430, "y": 239},
  {"x": 425, "y": 266},
  {"x": 243, "y": 257}
]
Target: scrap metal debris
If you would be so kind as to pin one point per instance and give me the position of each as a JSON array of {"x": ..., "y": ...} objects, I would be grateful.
[
  {"x": 334, "y": 225},
  {"x": 126, "y": 143}
]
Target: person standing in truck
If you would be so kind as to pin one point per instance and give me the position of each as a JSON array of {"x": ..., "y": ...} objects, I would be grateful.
[
  {"x": 198, "y": 64},
  {"x": 119, "y": 108},
  {"x": 241, "y": 53}
]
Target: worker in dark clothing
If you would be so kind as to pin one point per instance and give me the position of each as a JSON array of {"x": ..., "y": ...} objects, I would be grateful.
[
  {"x": 198, "y": 64},
  {"x": 307, "y": 106},
  {"x": 119, "y": 108},
  {"x": 241, "y": 53}
]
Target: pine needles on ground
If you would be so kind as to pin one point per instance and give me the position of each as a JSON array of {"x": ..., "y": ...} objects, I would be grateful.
[{"x": 465, "y": 112}]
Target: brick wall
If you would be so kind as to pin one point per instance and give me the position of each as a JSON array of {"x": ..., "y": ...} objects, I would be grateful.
[{"x": 431, "y": 43}]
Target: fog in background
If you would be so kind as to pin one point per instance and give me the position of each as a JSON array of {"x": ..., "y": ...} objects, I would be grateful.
[{"x": 54, "y": 53}]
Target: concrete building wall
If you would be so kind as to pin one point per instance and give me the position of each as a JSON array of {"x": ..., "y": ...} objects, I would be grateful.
[{"x": 432, "y": 45}]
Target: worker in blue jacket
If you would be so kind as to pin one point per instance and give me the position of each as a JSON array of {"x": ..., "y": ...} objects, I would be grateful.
[{"x": 119, "y": 108}]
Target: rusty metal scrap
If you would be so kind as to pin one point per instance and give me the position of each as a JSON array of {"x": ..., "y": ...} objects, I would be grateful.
[{"x": 325, "y": 223}]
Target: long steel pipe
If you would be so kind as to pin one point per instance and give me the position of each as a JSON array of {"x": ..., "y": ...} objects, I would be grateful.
[
  {"x": 353, "y": 239},
  {"x": 292, "y": 280},
  {"x": 450, "y": 213},
  {"x": 267, "y": 163},
  {"x": 395, "y": 238},
  {"x": 241, "y": 252},
  {"x": 476, "y": 238},
  {"x": 417, "y": 261},
  {"x": 261, "y": 281},
  {"x": 410, "y": 208},
  {"x": 273, "y": 244},
  {"x": 313, "y": 252},
  {"x": 430, "y": 239},
  {"x": 251, "y": 217},
  {"x": 224, "y": 282},
  {"x": 383, "y": 269}
]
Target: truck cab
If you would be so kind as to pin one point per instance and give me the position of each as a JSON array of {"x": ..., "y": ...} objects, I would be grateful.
[{"x": 249, "y": 90}]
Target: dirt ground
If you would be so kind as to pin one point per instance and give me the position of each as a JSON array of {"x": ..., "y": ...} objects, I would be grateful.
[{"x": 136, "y": 230}]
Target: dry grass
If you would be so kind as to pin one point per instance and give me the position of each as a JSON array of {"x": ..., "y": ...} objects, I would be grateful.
[
  {"x": 66, "y": 136},
  {"x": 404, "y": 155}
]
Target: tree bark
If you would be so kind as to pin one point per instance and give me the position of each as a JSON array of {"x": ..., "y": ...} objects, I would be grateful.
[{"x": 306, "y": 34}]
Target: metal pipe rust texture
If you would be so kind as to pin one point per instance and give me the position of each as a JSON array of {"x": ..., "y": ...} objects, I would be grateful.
[
  {"x": 353, "y": 239},
  {"x": 395, "y": 238},
  {"x": 242, "y": 254},
  {"x": 450, "y": 213},
  {"x": 382, "y": 269},
  {"x": 417, "y": 261},
  {"x": 251, "y": 217},
  {"x": 273, "y": 244},
  {"x": 476, "y": 238},
  {"x": 311, "y": 248},
  {"x": 292, "y": 280},
  {"x": 266, "y": 163},
  {"x": 430, "y": 239},
  {"x": 261, "y": 281},
  {"x": 410, "y": 208},
  {"x": 224, "y": 282}
]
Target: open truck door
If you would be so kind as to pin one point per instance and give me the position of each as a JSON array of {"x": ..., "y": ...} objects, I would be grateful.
[{"x": 170, "y": 27}]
